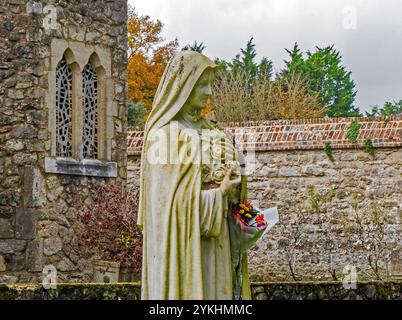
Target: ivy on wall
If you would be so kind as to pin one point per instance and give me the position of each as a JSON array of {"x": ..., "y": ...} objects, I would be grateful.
[
  {"x": 328, "y": 150},
  {"x": 351, "y": 134}
]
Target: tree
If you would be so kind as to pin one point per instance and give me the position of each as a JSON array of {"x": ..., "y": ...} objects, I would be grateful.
[
  {"x": 326, "y": 76},
  {"x": 147, "y": 57},
  {"x": 222, "y": 65},
  {"x": 389, "y": 109},
  {"x": 198, "y": 47},
  {"x": 136, "y": 114},
  {"x": 245, "y": 90},
  {"x": 265, "y": 69},
  {"x": 245, "y": 60}
]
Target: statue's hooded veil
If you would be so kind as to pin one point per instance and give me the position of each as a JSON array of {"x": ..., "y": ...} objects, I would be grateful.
[
  {"x": 169, "y": 202},
  {"x": 178, "y": 80}
]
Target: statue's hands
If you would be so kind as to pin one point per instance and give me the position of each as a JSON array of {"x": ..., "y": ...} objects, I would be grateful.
[{"x": 227, "y": 184}]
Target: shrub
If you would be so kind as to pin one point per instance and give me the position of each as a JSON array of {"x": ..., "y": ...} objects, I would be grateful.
[
  {"x": 239, "y": 97},
  {"x": 106, "y": 226}
]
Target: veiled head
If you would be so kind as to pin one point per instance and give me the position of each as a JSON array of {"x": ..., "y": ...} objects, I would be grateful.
[
  {"x": 199, "y": 96},
  {"x": 186, "y": 84}
]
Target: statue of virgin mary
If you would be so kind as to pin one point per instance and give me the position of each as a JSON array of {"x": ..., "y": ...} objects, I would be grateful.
[{"x": 189, "y": 179}]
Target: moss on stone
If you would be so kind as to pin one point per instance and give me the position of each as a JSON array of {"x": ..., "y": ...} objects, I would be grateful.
[
  {"x": 8, "y": 293},
  {"x": 386, "y": 290}
]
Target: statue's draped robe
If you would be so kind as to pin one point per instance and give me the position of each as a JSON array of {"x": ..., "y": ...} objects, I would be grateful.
[
  {"x": 186, "y": 237},
  {"x": 186, "y": 241}
]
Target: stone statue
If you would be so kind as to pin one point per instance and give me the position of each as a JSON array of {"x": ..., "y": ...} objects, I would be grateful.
[{"x": 190, "y": 176}]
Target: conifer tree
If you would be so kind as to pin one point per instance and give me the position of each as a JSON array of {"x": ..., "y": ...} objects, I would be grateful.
[{"x": 325, "y": 75}]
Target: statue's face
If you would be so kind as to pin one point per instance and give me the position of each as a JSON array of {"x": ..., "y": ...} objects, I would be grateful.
[{"x": 200, "y": 94}]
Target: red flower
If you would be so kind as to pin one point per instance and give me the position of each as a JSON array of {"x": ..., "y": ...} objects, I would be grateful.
[{"x": 260, "y": 219}]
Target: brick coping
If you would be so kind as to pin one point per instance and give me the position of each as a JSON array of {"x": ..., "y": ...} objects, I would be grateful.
[{"x": 301, "y": 134}]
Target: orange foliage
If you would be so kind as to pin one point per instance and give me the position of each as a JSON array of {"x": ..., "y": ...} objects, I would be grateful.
[{"x": 147, "y": 59}]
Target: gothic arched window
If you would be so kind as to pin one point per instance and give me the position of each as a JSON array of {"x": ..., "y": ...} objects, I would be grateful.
[
  {"x": 64, "y": 121},
  {"x": 90, "y": 112},
  {"x": 82, "y": 107}
]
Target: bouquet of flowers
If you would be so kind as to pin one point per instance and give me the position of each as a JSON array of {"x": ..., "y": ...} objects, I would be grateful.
[
  {"x": 249, "y": 223},
  {"x": 248, "y": 216}
]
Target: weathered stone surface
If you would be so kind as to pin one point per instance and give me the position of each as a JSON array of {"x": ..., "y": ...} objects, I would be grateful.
[
  {"x": 25, "y": 223},
  {"x": 15, "y": 262},
  {"x": 12, "y": 246},
  {"x": 2, "y": 264},
  {"x": 35, "y": 255},
  {"x": 52, "y": 245},
  {"x": 24, "y": 159},
  {"x": 24, "y": 132},
  {"x": 290, "y": 171},
  {"x": 53, "y": 182},
  {"x": 396, "y": 263},
  {"x": 391, "y": 172},
  {"x": 84, "y": 168},
  {"x": 14, "y": 145},
  {"x": 47, "y": 229},
  {"x": 6, "y": 212},
  {"x": 34, "y": 7},
  {"x": 8, "y": 279},
  {"x": 34, "y": 117},
  {"x": 38, "y": 189},
  {"x": 54, "y": 194},
  {"x": 6, "y": 229},
  {"x": 66, "y": 265},
  {"x": 261, "y": 296}
]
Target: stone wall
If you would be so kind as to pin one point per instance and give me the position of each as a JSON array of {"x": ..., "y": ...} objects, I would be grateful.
[
  {"x": 289, "y": 159},
  {"x": 36, "y": 208}
]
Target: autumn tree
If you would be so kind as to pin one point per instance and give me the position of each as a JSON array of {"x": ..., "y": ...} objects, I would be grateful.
[
  {"x": 237, "y": 97},
  {"x": 147, "y": 57}
]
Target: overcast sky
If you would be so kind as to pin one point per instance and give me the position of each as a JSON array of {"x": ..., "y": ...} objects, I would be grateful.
[{"x": 367, "y": 32}]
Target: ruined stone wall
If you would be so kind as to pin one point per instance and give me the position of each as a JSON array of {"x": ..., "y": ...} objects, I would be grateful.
[
  {"x": 36, "y": 207},
  {"x": 289, "y": 159}
]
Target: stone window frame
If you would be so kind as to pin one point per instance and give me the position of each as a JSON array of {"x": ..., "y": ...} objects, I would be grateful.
[{"x": 78, "y": 55}]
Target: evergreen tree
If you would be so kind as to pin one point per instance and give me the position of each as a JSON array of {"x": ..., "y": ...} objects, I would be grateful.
[
  {"x": 326, "y": 76},
  {"x": 222, "y": 64},
  {"x": 245, "y": 60},
  {"x": 265, "y": 69},
  {"x": 389, "y": 109},
  {"x": 198, "y": 47},
  {"x": 136, "y": 114}
]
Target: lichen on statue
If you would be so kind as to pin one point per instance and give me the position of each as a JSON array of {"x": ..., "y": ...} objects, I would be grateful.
[{"x": 189, "y": 179}]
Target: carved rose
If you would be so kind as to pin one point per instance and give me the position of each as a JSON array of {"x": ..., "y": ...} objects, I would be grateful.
[
  {"x": 206, "y": 174},
  {"x": 218, "y": 174}
]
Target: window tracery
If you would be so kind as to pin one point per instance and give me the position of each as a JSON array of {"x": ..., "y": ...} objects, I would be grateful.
[
  {"x": 64, "y": 83},
  {"x": 90, "y": 113}
]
